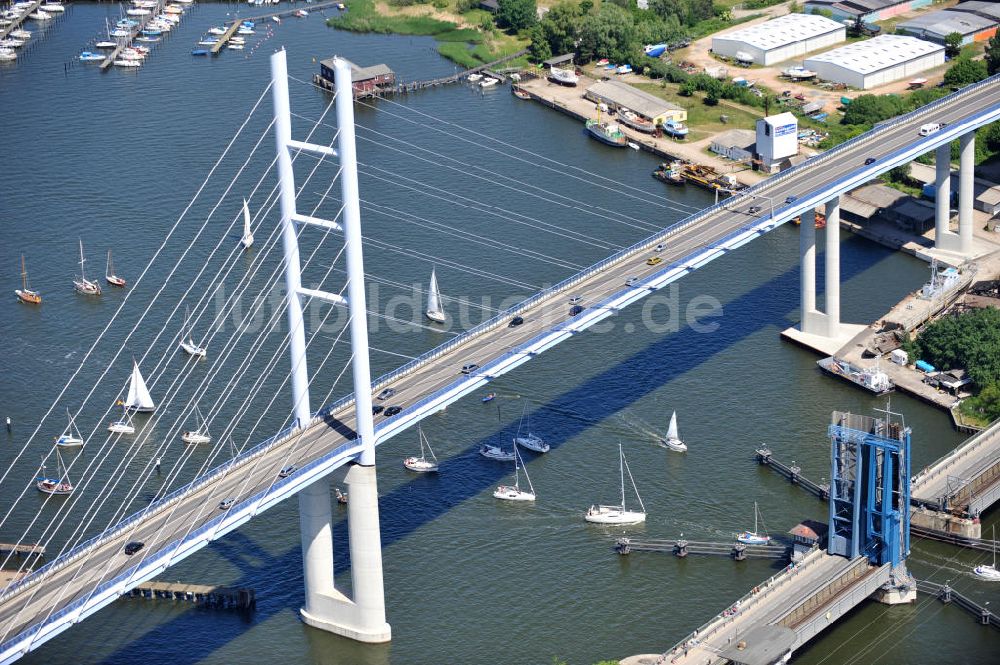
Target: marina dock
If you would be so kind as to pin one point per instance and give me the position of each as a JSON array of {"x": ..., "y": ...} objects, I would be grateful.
[
  {"x": 235, "y": 24},
  {"x": 134, "y": 32},
  {"x": 17, "y": 22},
  {"x": 209, "y": 596}
]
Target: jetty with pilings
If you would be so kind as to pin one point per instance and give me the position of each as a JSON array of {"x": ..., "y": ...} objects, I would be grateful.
[
  {"x": 947, "y": 595},
  {"x": 19, "y": 20},
  {"x": 126, "y": 42},
  {"x": 237, "y": 598},
  {"x": 681, "y": 548}
]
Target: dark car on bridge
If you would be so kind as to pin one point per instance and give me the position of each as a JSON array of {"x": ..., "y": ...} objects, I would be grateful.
[
  {"x": 753, "y": 210},
  {"x": 391, "y": 411},
  {"x": 287, "y": 471},
  {"x": 377, "y": 409},
  {"x": 791, "y": 199},
  {"x": 226, "y": 504},
  {"x": 575, "y": 309},
  {"x": 870, "y": 161},
  {"x": 133, "y": 547},
  {"x": 387, "y": 393},
  {"x": 516, "y": 321}
]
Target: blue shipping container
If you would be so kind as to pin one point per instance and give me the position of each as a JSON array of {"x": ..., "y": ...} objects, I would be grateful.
[{"x": 924, "y": 366}]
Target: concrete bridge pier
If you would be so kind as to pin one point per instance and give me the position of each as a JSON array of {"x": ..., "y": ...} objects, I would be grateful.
[
  {"x": 944, "y": 238},
  {"x": 362, "y": 617}
]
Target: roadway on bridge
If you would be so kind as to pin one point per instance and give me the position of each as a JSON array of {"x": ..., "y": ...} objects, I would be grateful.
[
  {"x": 950, "y": 476},
  {"x": 33, "y": 603}
]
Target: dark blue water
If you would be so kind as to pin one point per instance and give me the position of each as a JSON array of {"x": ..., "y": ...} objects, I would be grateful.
[{"x": 502, "y": 197}]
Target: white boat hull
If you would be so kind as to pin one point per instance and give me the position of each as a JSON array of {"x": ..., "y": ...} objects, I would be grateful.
[
  {"x": 121, "y": 428},
  {"x": 987, "y": 572},
  {"x": 532, "y": 442},
  {"x": 193, "y": 350},
  {"x": 420, "y": 465},
  {"x": 495, "y": 453},
  {"x": 508, "y": 493},
  {"x": 613, "y": 515},
  {"x": 436, "y": 317},
  {"x": 69, "y": 442},
  {"x": 748, "y": 538},
  {"x": 674, "y": 444},
  {"x": 195, "y": 437}
]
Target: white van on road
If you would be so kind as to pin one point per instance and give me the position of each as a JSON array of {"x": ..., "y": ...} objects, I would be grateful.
[{"x": 930, "y": 128}]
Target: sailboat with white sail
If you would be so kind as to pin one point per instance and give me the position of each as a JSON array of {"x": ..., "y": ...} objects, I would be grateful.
[
  {"x": 71, "y": 436},
  {"x": 247, "y": 239},
  {"x": 422, "y": 464},
  {"x": 123, "y": 425},
  {"x": 435, "y": 312},
  {"x": 187, "y": 338},
  {"x": 60, "y": 484},
  {"x": 200, "y": 433},
  {"x": 673, "y": 440},
  {"x": 619, "y": 514},
  {"x": 84, "y": 285},
  {"x": 514, "y": 492},
  {"x": 138, "y": 398},
  {"x": 109, "y": 274},
  {"x": 987, "y": 571},
  {"x": 754, "y": 537},
  {"x": 526, "y": 438}
]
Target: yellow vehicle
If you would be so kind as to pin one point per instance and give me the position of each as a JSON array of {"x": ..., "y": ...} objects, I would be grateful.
[{"x": 653, "y": 260}]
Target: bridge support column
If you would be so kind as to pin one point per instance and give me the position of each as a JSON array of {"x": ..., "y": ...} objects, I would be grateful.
[
  {"x": 966, "y": 173},
  {"x": 812, "y": 320},
  {"x": 944, "y": 237},
  {"x": 832, "y": 295}
]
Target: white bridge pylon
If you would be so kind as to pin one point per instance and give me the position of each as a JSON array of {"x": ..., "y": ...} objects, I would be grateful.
[{"x": 362, "y": 617}]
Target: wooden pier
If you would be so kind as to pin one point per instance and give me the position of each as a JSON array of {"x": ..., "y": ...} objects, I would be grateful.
[
  {"x": 793, "y": 473},
  {"x": 209, "y": 596},
  {"x": 681, "y": 548},
  {"x": 126, "y": 42},
  {"x": 414, "y": 86},
  {"x": 235, "y": 25},
  {"x": 19, "y": 20},
  {"x": 224, "y": 38}
]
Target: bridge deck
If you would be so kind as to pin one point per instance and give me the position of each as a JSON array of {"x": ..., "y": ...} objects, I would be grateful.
[
  {"x": 95, "y": 573},
  {"x": 965, "y": 479},
  {"x": 790, "y": 599}
]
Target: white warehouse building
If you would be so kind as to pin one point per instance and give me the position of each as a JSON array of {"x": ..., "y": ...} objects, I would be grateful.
[
  {"x": 779, "y": 39},
  {"x": 877, "y": 61}
]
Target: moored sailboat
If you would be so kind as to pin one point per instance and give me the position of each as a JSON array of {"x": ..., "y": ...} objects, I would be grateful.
[
  {"x": 200, "y": 433},
  {"x": 123, "y": 425},
  {"x": 514, "y": 492},
  {"x": 187, "y": 338},
  {"x": 84, "y": 285},
  {"x": 24, "y": 294},
  {"x": 600, "y": 514},
  {"x": 987, "y": 571},
  {"x": 673, "y": 440},
  {"x": 529, "y": 439},
  {"x": 60, "y": 484},
  {"x": 70, "y": 438},
  {"x": 422, "y": 464},
  {"x": 434, "y": 312},
  {"x": 754, "y": 537},
  {"x": 109, "y": 274}
]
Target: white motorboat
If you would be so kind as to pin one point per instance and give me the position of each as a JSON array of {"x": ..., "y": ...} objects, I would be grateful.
[
  {"x": 514, "y": 492},
  {"x": 138, "y": 398},
  {"x": 128, "y": 63},
  {"x": 754, "y": 537},
  {"x": 20, "y": 34},
  {"x": 200, "y": 433},
  {"x": 488, "y": 82},
  {"x": 987, "y": 571},
  {"x": 123, "y": 425},
  {"x": 276, "y": 19},
  {"x": 7, "y": 55},
  {"x": 52, "y": 7},
  {"x": 235, "y": 47},
  {"x": 475, "y": 77},
  {"x": 106, "y": 44},
  {"x": 619, "y": 514},
  {"x": 88, "y": 56},
  {"x": 71, "y": 436},
  {"x": 526, "y": 438},
  {"x": 434, "y": 311},
  {"x": 422, "y": 464},
  {"x": 187, "y": 338},
  {"x": 799, "y": 73},
  {"x": 39, "y": 16},
  {"x": 565, "y": 77},
  {"x": 137, "y": 11},
  {"x": 496, "y": 453},
  {"x": 58, "y": 485},
  {"x": 245, "y": 31},
  {"x": 247, "y": 239},
  {"x": 10, "y": 42},
  {"x": 217, "y": 31},
  {"x": 84, "y": 285},
  {"x": 673, "y": 441}
]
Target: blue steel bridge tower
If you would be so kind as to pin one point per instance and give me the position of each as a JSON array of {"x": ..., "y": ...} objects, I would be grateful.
[{"x": 870, "y": 492}]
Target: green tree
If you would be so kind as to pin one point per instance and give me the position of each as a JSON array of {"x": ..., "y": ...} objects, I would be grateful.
[
  {"x": 985, "y": 406},
  {"x": 516, "y": 14},
  {"x": 993, "y": 55},
  {"x": 586, "y": 6},
  {"x": 698, "y": 10},
  {"x": 991, "y": 136},
  {"x": 900, "y": 174},
  {"x": 869, "y": 109},
  {"x": 711, "y": 100},
  {"x": 966, "y": 71},
  {"x": 539, "y": 48},
  {"x": 667, "y": 9},
  {"x": 609, "y": 33},
  {"x": 560, "y": 28},
  {"x": 953, "y": 44}
]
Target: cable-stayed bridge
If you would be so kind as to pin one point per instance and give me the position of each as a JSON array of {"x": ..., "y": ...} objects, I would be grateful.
[{"x": 93, "y": 573}]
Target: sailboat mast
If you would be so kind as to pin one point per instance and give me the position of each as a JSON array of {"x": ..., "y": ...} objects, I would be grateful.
[
  {"x": 83, "y": 278},
  {"x": 24, "y": 275},
  {"x": 621, "y": 469},
  {"x": 755, "y": 517}
]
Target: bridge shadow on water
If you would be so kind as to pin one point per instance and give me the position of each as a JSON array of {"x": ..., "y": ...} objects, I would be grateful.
[{"x": 404, "y": 510}]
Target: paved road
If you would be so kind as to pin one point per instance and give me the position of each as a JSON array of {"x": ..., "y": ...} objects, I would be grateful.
[
  {"x": 979, "y": 453},
  {"x": 77, "y": 579}
]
